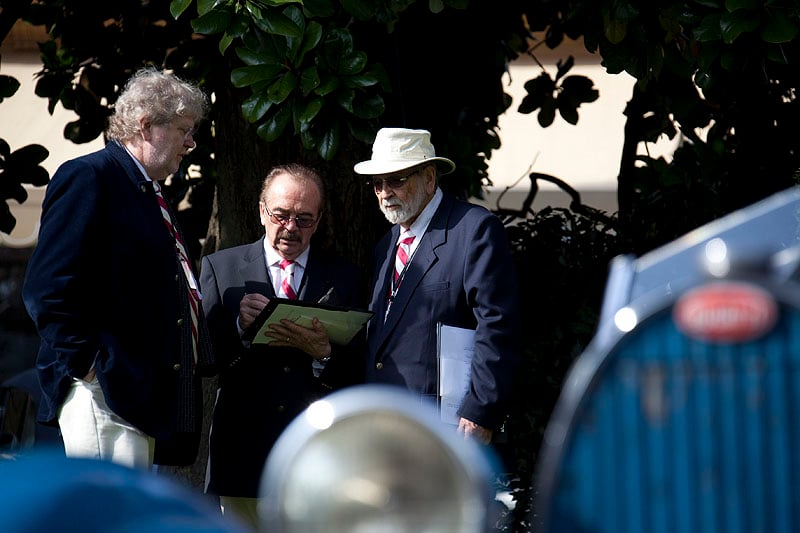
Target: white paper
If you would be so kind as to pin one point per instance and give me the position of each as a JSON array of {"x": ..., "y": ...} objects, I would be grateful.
[
  {"x": 456, "y": 347},
  {"x": 341, "y": 326}
]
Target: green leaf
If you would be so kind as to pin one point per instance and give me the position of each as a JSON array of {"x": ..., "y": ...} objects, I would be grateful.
[
  {"x": 273, "y": 128},
  {"x": 327, "y": 85},
  {"x": 239, "y": 25},
  {"x": 710, "y": 29},
  {"x": 311, "y": 39},
  {"x": 329, "y": 144},
  {"x": 310, "y": 110},
  {"x": 255, "y": 107},
  {"x": 579, "y": 89},
  {"x": 716, "y": 4},
  {"x": 538, "y": 90},
  {"x": 733, "y": 5},
  {"x": 547, "y": 113},
  {"x": 568, "y": 112},
  {"x": 8, "y": 86},
  {"x": 176, "y": 7},
  {"x": 564, "y": 67},
  {"x": 224, "y": 42},
  {"x": 736, "y": 23},
  {"x": 215, "y": 21},
  {"x": 436, "y": 6},
  {"x": 277, "y": 23},
  {"x": 369, "y": 108},
  {"x": 244, "y": 76},
  {"x": 309, "y": 80},
  {"x": 281, "y": 89},
  {"x": 779, "y": 28},
  {"x": 338, "y": 44},
  {"x": 205, "y": 6},
  {"x": 319, "y": 8},
  {"x": 360, "y": 9},
  {"x": 362, "y": 80},
  {"x": 253, "y": 57},
  {"x": 29, "y": 155},
  {"x": 345, "y": 100},
  {"x": 615, "y": 30},
  {"x": 353, "y": 64}
]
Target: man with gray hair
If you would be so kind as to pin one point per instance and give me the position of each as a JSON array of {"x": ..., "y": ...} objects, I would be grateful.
[{"x": 112, "y": 289}]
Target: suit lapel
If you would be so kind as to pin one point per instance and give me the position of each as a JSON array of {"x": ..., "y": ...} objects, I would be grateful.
[
  {"x": 381, "y": 289},
  {"x": 254, "y": 270},
  {"x": 316, "y": 281}
]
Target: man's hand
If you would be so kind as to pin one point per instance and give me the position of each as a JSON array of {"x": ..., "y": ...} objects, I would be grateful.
[
  {"x": 250, "y": 307},
  {"x": 470, "y": 429},
  {"x": 314, "y": 340}
]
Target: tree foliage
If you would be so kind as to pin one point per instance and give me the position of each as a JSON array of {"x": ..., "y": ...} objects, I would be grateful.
[{"x": 313, "y": 80}]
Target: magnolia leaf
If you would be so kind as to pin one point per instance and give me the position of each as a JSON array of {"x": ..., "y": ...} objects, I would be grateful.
[
  {"x": 249, "y": 75},
  {"x": 215, "y": 21},
  {"x": 176, "y": 7}
]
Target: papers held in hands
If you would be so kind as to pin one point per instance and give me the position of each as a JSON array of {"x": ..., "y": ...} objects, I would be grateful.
[{"x": 341, "y": 323}]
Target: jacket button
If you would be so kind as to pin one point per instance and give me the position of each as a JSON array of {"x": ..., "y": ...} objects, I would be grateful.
[
  {"x": 287, "y": 369},
  {"x": 176, "y": 277},
  {"x": 180, "y": 322},
  {"x": 378, "y": 366},
  {"x": 176, "y": 367},
  {"x": 281, "y": 408}
]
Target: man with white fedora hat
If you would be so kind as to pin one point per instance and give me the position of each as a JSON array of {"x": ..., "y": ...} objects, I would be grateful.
[{"x": 444, "y": 261}]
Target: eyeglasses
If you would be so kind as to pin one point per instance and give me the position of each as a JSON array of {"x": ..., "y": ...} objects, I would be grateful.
[
  {"x": 187, "y": 132},
  {"x": 393, "y": 183},
  {"x": 281, "y": 220}
]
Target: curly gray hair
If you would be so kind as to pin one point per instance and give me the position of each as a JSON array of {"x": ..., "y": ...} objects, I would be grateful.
[{"x": 158, "y": 96}]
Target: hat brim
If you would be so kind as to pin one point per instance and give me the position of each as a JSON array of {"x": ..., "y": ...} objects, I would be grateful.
[{"x": 374, "y": 168}]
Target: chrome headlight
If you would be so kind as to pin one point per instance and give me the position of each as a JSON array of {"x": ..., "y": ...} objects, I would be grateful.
[{"x": 375, "y": 459}]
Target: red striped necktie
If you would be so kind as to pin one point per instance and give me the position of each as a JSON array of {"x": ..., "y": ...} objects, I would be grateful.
[
  {"x": 194, "y": 291},
  {"x": 401, "y": 259},
  {"x": 287, "y": 273}
]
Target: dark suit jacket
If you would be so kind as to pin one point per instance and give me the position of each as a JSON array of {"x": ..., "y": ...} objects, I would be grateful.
[
  {"x": 104, "y": 286},
  {"x": 461, "y": 275},
  {"x": 262, "y": 389}
]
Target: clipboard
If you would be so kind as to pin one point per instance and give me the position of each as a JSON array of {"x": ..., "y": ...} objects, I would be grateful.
[{"x": 341, "y": 323}]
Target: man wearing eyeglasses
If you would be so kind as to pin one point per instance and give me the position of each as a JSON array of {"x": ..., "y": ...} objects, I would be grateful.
[
  {"x": 263, "y": 387},
  {"x": 444, "y": 261}
]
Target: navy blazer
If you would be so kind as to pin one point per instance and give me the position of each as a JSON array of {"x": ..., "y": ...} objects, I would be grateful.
[
  {"x": 105, "y": 288},
  {"x": 262, "y": 389},
  {"x": 460, "y": 275}
]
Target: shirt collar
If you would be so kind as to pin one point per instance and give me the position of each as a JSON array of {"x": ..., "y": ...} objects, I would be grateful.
[
  {"x": 421, "y": 223},
  {"x": 274, "y": 258}
]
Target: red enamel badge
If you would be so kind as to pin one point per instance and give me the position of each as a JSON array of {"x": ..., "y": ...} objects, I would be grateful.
[{"x": 726, "y": 312}]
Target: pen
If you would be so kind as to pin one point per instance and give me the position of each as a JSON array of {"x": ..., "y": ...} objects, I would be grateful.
[{"x": 327, "y": 296}]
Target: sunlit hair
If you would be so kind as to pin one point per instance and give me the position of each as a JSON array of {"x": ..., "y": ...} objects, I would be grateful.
[
  {"x": 158, "y": 96},
  {"x": 297, "y": 171}
]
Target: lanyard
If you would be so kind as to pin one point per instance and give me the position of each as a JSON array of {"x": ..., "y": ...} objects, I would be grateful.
[{"x": 394, "y": 286}]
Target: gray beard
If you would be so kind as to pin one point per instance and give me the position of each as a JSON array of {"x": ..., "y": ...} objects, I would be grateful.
[{"x": 407, "y": 210}]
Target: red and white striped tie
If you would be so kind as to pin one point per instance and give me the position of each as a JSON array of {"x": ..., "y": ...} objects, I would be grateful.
[
  {"x": 194, "y": 292},
  {"x": 287, "y": 269},
  {"x": 401, "y": 259}
]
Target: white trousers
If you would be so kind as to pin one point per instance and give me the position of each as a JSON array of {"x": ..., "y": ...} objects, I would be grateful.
[{"x": 90, "y": 429}]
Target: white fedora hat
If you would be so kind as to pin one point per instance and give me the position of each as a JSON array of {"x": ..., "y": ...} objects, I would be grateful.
[{"x": 397, "y": 149}]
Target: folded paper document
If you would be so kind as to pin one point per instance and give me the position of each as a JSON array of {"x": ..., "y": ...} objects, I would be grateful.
[
  {"x": 456, "y": 348},
  {"x": 341, "y": 323}
]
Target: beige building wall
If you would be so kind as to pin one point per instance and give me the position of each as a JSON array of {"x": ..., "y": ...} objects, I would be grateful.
[{"x": 24, "y": 120}]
